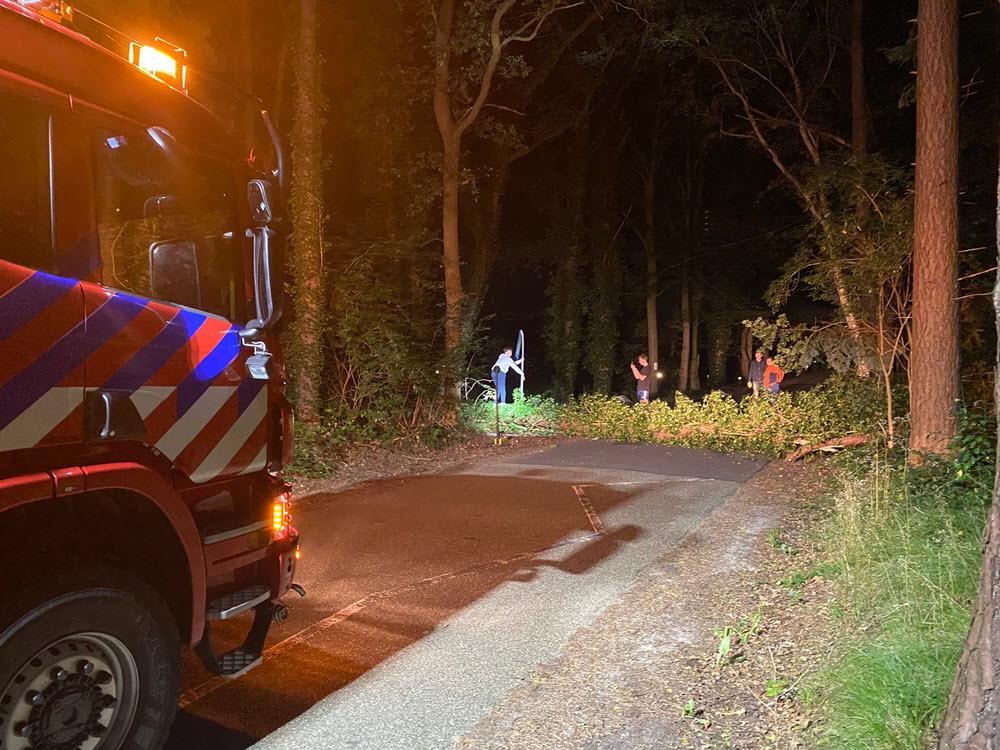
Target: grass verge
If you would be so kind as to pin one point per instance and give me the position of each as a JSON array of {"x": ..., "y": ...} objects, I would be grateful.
[{"x": 906, "y": 543}]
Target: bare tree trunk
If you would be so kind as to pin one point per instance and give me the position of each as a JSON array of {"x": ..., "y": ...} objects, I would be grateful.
[
  {"x": 719, "y": 337},
  {"x": 306, "y": 204},
  {"x": 935, "y": 352},
  {"x": 484, "y": 211},
  {"x": 859, "y": 102},
  {"x": 652, "y": 282},
  {"x": 972, "y": 718},
  {"x": 685, "y": 368},
  {"x": 694, "y": 381},
  {"x": 746, "y": 352},
  {"x": 452, "y": 268},
  {"x": 859, "y": 145}
]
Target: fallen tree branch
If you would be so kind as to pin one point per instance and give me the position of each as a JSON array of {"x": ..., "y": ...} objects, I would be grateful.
[{"x": 828, "y": 445}]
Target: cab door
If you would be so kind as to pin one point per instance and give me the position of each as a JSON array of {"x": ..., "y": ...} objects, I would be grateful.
[
  {"x": 172, "y": 374},
  {"x": 42, "y": 328}
]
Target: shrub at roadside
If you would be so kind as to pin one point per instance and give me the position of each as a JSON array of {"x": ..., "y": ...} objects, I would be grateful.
[
  {"x": 907, "y": 542},
  {"x": 842, "y": 406},
  {"x": 536, "y": 415}
]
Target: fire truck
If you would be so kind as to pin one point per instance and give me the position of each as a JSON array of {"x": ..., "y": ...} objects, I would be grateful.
[{"x": 143, "y": 421}]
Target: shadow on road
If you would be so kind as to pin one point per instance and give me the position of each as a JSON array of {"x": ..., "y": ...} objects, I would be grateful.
[{"x": 403, "y": 557}]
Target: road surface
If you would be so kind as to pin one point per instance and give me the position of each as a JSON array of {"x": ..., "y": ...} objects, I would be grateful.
[{"x": 431, "y": 598}]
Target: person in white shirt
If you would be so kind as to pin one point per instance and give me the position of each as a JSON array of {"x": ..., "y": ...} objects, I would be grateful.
[{"x": 499, "y": 373}]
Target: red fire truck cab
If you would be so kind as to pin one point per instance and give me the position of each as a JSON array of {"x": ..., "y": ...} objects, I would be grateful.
[{"x": 143, "y": 422}]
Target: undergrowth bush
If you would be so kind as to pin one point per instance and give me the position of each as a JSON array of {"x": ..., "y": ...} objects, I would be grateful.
[
  {"x": 843, "y": 405},
  {"x": 536, "y": 415},
  {"x": 907, "y": 541}
]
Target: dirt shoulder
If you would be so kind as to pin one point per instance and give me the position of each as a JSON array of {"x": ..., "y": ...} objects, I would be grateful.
[{"x": 645, "y": 674}]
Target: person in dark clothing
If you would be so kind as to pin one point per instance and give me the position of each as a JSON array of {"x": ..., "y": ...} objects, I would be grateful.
[
  {"x": 642, "y": 374},
  {"x": 756, "y": 375}
]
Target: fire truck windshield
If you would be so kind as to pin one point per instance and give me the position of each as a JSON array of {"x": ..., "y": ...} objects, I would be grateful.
[{"x": 167, "y": 222}]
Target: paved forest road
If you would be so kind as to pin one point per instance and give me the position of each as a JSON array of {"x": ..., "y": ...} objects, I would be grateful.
[{"x": 432, "y": 597}]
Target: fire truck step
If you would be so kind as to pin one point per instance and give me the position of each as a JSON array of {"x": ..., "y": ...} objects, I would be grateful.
[
  {"x": 234, "y": 663},
  {"x": 237, "y": 602}
]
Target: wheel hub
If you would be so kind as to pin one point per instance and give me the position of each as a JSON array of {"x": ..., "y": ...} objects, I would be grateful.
[{"x": 79, "y": 693}]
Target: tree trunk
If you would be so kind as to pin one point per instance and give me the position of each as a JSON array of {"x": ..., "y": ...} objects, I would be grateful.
[
  {"x": 935, "y": 352},
  {"x": 604, "y": 305},
  {"x": 746, "y": 352},
  {"x": 484, "y": 212},
  {"x": 452, "y": 267},
  {"x": 859, "y": 102},
  {"x": 306, "y": 204},
  {"x": 684, "y": 370},
  {"x": 719, "y": 335},
  {"x": 972, "y": 718},
  {"x": 694, "y": 381},
  {"x": 652, "y": 283}
]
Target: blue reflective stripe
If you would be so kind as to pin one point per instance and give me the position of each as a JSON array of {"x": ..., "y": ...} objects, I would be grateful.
[
  {"x": 200, "y": 379},
  {"x": 29, "y": 298},
  {"x": 66, "y": 355},
  {"x": 247, "y": 392},
  {"x": 146, "y": 362}
]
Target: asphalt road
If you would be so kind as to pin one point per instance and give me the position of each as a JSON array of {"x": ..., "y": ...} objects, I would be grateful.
[{"x": 431, "y": 598}]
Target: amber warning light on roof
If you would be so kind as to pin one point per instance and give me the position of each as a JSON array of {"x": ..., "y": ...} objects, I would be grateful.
[{"x": 159, "y": 64}]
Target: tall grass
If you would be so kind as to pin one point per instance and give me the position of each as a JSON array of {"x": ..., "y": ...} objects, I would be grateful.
[{"x": 907, "y": 543}]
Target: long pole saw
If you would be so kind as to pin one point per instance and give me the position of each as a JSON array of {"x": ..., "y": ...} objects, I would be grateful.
[{"x": 519, "y": 354}]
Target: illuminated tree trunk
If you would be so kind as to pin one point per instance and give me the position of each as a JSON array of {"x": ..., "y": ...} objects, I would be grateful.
[
  {"x": 306, "y": 204},
  {"x": 452, "y": 268},
  {"x": 972, "y": 718},
  {"x": 935, "y": 353}
]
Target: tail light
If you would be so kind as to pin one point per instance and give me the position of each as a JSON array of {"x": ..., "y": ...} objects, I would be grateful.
[{"x": 281, "y": 515}]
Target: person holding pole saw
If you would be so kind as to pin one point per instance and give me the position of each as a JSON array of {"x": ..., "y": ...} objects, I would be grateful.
[{"x": 499, "y": 373}]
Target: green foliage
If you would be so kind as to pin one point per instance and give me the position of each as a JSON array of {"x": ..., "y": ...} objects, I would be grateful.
[
  {"x": 687, "y": 712},
  {"x": 907, "y": 543},
  {"x": 841, "y": 406},
  {"x": 775, "y": 541},
  {"x": 725, "y": 636},
  {"x": 383, "y": 365},
  {"x": 534, "y": 415},
  {"x": 775, "y": 687}
]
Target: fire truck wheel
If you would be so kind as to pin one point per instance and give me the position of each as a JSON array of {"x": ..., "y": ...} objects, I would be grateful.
[{"x": 93, "y": 664}]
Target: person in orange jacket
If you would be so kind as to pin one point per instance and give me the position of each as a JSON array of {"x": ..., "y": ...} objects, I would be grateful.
[{"x": 773, "y": 376}]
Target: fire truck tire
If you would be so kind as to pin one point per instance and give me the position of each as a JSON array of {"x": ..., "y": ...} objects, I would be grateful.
[{"x": 89, "y": 656}]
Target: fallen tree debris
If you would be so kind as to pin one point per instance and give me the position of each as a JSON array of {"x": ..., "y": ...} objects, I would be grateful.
[{"x": 828, "y": 445}]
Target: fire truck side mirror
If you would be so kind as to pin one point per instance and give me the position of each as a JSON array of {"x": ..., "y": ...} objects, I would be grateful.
[{"x": 173, "y": 272}]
